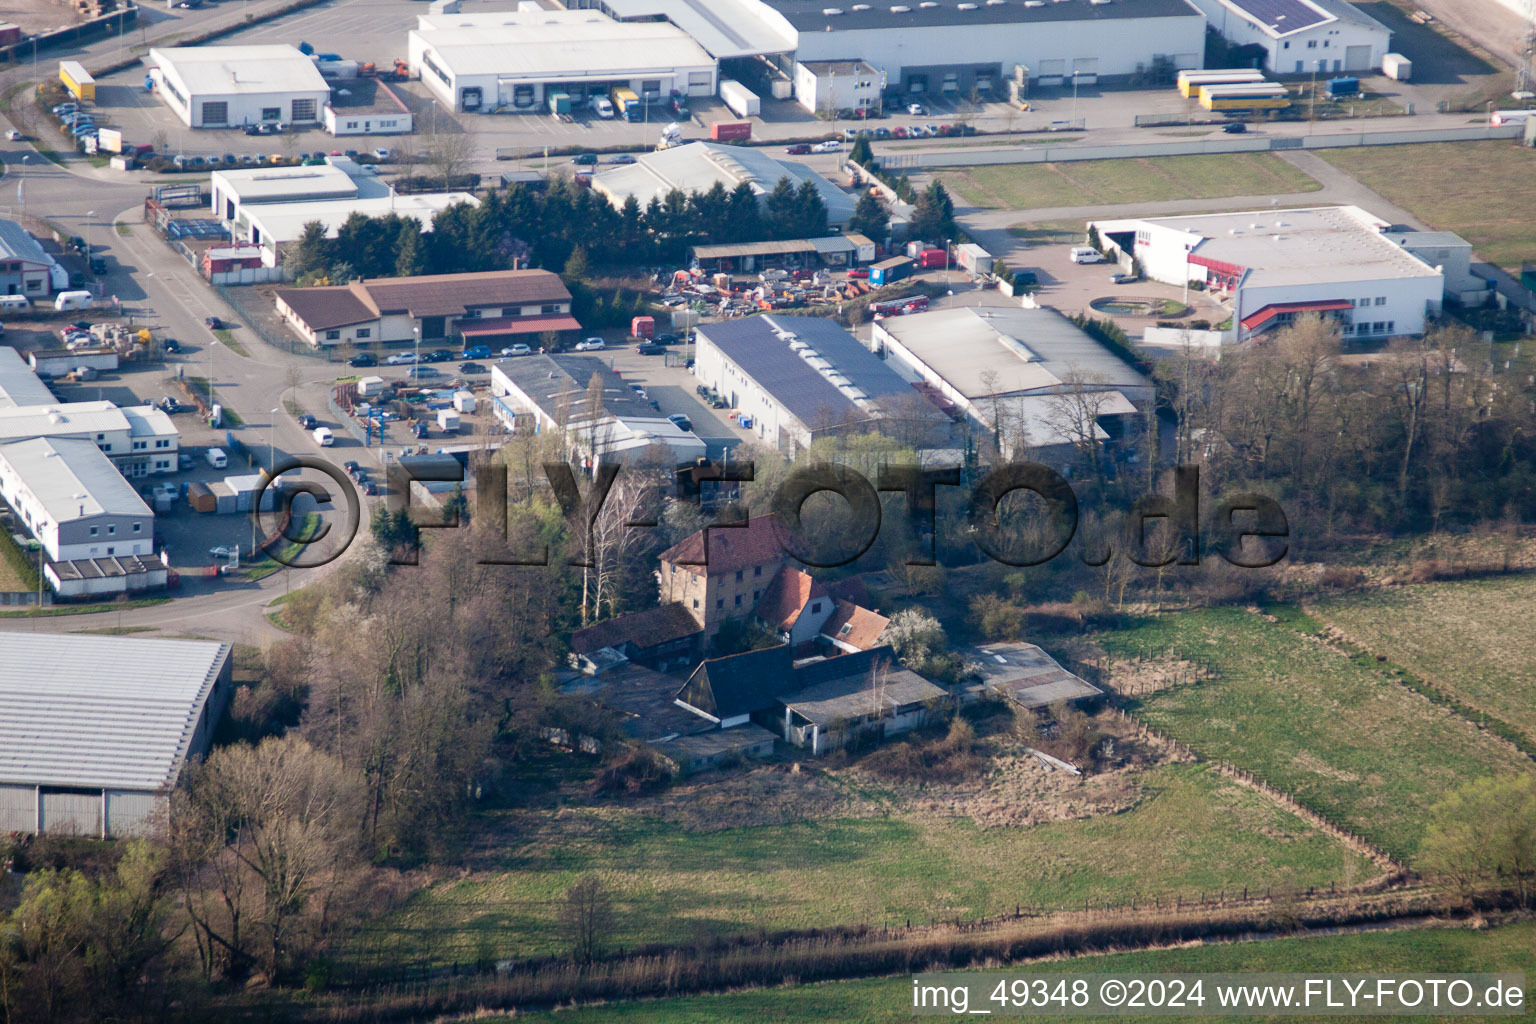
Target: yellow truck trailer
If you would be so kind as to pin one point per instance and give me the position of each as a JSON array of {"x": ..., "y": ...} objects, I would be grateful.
[{"x": 77, "y": 80}]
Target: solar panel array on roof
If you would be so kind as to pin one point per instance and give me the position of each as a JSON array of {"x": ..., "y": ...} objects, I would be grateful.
[
  {"x": 101, "y": 711},
  {"x": 811, "y": 366},
  {"x": 1283, "y": 15}
]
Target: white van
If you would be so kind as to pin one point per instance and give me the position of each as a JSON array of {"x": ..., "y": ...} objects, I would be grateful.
[
  {"x": 74, "y": 300},
  {"x": 15, "y": 303},
  {"x": 601, "y": 107},
  {"x": 216, "y": 458},
  {"x": 1086, "y": 254},
  {"x": 323, "y": 437}
]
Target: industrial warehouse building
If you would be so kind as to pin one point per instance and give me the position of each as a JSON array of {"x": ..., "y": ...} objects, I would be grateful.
[
  {"x": 230, "y": 86},
  {"x": 543, "y": 393},
  {"x": 95, "y": 730},
  {"x": 512, "y": 62},
  {"x": 1275, "y": 265},
  {"x": 793, "y": 379},
  {"x": 25, "y": 268},
  {"x": 953, "y": 46},
  {"x": 1025, "y": 373},
  {"x": 698, "y": 166},
  {"x": 1302, "y": 36}
]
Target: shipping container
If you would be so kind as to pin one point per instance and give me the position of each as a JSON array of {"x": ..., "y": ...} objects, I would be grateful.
[
  {"x": 9, "y": 33},
  {"x": 448, "y": 419},
  {"x": 1397, "y": 67},
  {"x": 109, "y": 139},
  {"x": 77, "y": 80},
  {"x": 201, "y": 499},
  {"x": 642, "y": 326},
  {"x": 560, "y": 103},
  {"x": 742, "y": 101},
  {"x": 889, "y": 271},
  {"x": 730, "y": 131}
]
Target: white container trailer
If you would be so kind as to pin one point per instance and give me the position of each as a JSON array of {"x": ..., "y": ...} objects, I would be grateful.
[
  {"x": 448, "y": 420},
  {"x": 742, "y": 101},
  {"x": 1396, "y": 66},
  {"x": 974, "y": 258},
  {"x": 464, "y": 401}
]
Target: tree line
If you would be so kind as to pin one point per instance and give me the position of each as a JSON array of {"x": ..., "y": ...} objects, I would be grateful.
[{"x": 523, "y": 226}]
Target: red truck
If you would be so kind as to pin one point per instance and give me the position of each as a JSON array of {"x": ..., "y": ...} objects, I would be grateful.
[
  {"x": 730, "y": 131},
  {"x": 931, "y": 259}
]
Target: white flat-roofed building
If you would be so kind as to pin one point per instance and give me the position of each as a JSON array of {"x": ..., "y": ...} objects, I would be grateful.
[
  {"x": 269, "y": 225},
  {"x": 231, "y": 86},
  {"x": 1277, "y": 265},
  {"x": 950, "y": 47},
  {"x": 140, "y": 440},
  {"x": 1020, "y": 370},
  {"x": 338, "y": 179},
  {"x": 95, "y": 730},
  {"x": 72, "y": 499},
  {"x": 1302, "y": 36},
  {"x": 725, "y": 28},
  {"x": 697, "y": 166},
  {"x": 511, "y": 61}
]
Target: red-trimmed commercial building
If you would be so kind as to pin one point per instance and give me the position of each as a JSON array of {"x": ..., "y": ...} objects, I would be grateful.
[{"x": 1274, "y": 266}]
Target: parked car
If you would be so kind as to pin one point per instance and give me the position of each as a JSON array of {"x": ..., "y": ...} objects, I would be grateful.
[
  {"x": 98, "y": 265},
  {"x": 917, "y": 110},
  {"x": 419, "y": 372},
  {"x": 363, "y": 359},
  {"x": 476, "y": 352},
  {"x": 420, "y": 431},
  {"x": 185, "y": 462},
  {"x": 584, "y": 159},
  {"x": 680, "y": 421},
  {"x": 370, "y": 488},
  {"x": 664, "y": 339},
  {"x": 620, "y": 158},
  {"x": 170, "y": 344},
  {"x": 1122, "y": 278},
  {"x": 14, "y": 136},
  {"x": 351, "y": 466},
  {"x": 308, "y": 422},
  {"x": 401, "y": 358},
  {"x": 516, "y": 350},
  {"x": 438, "y": 355},
  {"x": 1235, "y": 128},
  {"x": 471, "y": 368},
  {"x": 213, "y": 322},
  {"x": 828, "y": 146},
  {"x": 650, "y": 348},
  {"x": 799, "y": 149},
  {"x": 590, "y": 345},
  {"x": 381, "y": 154},
  {"x": 169, "y": 405},
  {"x": 221, "y": 552}
]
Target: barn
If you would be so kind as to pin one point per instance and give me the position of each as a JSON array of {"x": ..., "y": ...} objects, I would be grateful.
[{"x": 94, "y": 730}]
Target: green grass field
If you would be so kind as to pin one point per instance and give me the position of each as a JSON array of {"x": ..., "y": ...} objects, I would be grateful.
[
  {"x": 888, "y": 1000},
  {"x": 1456, "y": 636},
  {"x": 1105, "y": 182},
  {"x": 1345, "y": 740},
  {"x": 1483, "y": 191},
  {"x": 1192, "y": 831}
]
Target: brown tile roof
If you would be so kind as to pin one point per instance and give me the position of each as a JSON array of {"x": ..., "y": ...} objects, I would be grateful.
[
  {"x": 324, "y": 308},
  {"x": 730, "y": 548},
  {"x": 786, "y": 597},
  {"x": 857, "y": 627},
  {"x": 644, "y": 629},
  {"x": 453, "y": 294}
]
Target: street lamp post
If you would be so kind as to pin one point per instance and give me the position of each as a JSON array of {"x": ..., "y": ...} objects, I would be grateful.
[
  {"x": 272, "y": 444},
  {"x": 416, "y": 330},
  {"x": 209, "y": 383}
]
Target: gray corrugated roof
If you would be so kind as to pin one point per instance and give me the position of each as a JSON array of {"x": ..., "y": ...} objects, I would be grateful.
[
  {"x": 754, "y": 344},
  {"x": 107, "y": 711},
  {"x": 20, "y": 386},
  {"x": 811, "y": 16},
  {"x": 16, "y": 243}
]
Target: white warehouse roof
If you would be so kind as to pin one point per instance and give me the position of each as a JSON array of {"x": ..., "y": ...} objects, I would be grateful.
[
  {"x": 250, "y": 70},
  {"x": 726, "y": 28},
  {"x": 696, "y": 166},
  {"x": 72, "y": 479},
  {"x": 54, "y": 418},
  {"x": 555, "y": 44},
  {"x": 1320, "y": 245},
  {"x": 113, "y": 712},
  {"x": 284, "y": 222}
]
